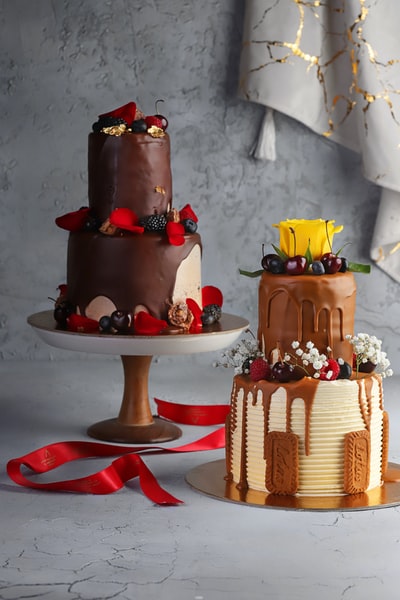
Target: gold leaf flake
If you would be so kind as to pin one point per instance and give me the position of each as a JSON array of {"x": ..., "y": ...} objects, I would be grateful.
[
  {"x": 156, "y": 132},
  {"x": 116, "y": 130},
  {"x": 159, "y": 189}
]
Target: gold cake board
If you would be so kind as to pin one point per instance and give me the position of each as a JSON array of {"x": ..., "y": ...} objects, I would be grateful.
[{"x": 209, "y": 478}]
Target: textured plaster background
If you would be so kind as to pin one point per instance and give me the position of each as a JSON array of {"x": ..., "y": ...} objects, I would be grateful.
[{"x": 64, "y": 62}]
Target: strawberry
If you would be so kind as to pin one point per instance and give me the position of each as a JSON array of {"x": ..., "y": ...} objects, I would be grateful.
[
  {"x": 126, "y": 112},
  {"x": 259, "y": 369},
  {"x": 187, "y": 212},
  {"x": 331, "y": 371}
]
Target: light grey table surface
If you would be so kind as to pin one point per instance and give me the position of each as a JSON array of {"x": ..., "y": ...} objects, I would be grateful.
[{"x": 65, "y": 546}]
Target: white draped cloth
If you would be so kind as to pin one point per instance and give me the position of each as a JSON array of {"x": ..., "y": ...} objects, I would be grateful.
[{"x": 334, "y": 66}]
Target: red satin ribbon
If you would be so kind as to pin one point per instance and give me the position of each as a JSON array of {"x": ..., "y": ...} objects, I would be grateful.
[
  {"x": 192, "y": 415},
  {"x": 129, "y": 463}
]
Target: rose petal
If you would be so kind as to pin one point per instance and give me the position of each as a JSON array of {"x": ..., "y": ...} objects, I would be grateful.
[
  {"x": 146, "y": 324},
  {"x": 196, "y": 312},
  {"x": 175, "y": 233},
  {"x": 81, "y": 324},
  {"x": 188, "y": 213},
  {"x": 126, "y": 112},
  {"x": 73, "y": 221},
  {"x": 211, "y": 295},
  {"x": 125, "y": 218}
]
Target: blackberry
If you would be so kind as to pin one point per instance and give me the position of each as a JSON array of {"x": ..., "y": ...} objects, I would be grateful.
[
  {"x": 154, "y": 223},
  {"x": 211, "y": 314},
  {"x": 107, "y": 122}
]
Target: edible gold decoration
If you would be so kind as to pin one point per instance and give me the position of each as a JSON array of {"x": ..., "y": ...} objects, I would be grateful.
[
  {"x": 159, "y": 189},
  {"x": 355, "y": 44},
  {"x": 156, "y": 132},
  {"x": 107, "y": 228},
  {"x": 116, "y": 130},
  {"x": 173, "y": 215}
]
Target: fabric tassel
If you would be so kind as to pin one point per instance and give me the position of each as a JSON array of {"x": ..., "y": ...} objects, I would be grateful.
[{"x": 264, "y": 147}]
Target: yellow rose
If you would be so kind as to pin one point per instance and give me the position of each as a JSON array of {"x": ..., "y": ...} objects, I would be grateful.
[{"x": 297, "y": 234}]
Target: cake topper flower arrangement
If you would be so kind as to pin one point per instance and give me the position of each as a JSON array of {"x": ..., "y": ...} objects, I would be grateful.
[
  {"x": 305, "y": 247},
  {"x": 306, "y": 361}
]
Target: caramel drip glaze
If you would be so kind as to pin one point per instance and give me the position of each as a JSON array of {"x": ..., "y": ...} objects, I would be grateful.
[
  {"x": 131, "y": 171},
  {"x": 128, "y": 269},
  {"x": 304, "y": 389},
  {"x": 306, "y": 307}
]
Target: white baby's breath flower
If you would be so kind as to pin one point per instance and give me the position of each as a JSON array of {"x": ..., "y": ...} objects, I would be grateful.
[{"x": 295, "y": 344}]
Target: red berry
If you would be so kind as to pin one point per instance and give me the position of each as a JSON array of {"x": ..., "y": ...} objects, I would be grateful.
[
  {"x": 296, "y": 265},
  {"x": 332, "y": 263},
  {"x": 154, "y": 121},
  {"x": 283, "y": 372},
  {"x": 259, "y": 369},
  {"x": 331, "y": 371}
]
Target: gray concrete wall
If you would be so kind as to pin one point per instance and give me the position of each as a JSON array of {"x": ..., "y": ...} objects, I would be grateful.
[{"x": 64, "y": 62}]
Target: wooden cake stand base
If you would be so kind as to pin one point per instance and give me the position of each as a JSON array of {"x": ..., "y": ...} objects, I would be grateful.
[{"x": 135, "y": 424}]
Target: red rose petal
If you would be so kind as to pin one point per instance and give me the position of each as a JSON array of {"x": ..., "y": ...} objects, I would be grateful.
[
  {"x": 81, "y": 324},
  {"x": 126, "y": 112},
  {"x": 175, "y": 233},
  {"x": 125, "y": 218},
  {"x": 146, "y": 324},
  {"x": 188, "y": 213},
  {"x": 73, "y": 221},
  {"x": 196, "y": 312},
  {"x": 211, "y": 295}
]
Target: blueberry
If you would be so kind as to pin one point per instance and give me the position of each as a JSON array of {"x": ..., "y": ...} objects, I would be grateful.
[
  {"x": 317, "y": 267},
  {"x": 189, "y": 225},
  {"x": 345, "y": 265},
  {"x": 105, "y": 324},
  {"x": 276, "y": 265},
  {"x": 139, "y": 126},
  {"x": 345, "y": 370}
]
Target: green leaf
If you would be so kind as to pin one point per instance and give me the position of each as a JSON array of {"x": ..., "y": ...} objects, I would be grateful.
[
  {"x": 280, "y": 252},
  {"x": 340, "y": 249},
  {"x": 358, "y": 268},
  {"x": 251, "y": 273},
  {"x": 308, "y": 254}
]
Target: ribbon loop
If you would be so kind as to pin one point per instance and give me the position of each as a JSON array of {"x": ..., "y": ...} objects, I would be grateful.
[{"x": 128, "y": 464}]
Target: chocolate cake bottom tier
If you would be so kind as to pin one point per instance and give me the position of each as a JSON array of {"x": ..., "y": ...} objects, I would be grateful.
[{"x": 131, "y": 272}]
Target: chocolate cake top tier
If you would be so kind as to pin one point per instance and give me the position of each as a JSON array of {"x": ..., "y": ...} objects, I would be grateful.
[{"x": 132, "y": 170}]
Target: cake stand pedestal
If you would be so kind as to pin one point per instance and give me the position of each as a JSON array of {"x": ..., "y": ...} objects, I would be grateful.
[{"x": 135, "y": 423}]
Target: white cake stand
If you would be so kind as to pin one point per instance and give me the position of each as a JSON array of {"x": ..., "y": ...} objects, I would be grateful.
[{"x": 135, "y": 424}]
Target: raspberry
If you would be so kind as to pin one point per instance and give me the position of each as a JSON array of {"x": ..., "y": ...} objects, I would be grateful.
[
  {"x": 259, "y": 369},
  {"x": 153, "y": 222},
  {"x": 331, "y": 371}
]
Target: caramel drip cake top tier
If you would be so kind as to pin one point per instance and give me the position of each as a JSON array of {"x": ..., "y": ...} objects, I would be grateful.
[{"x": 306, "y": 308}]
